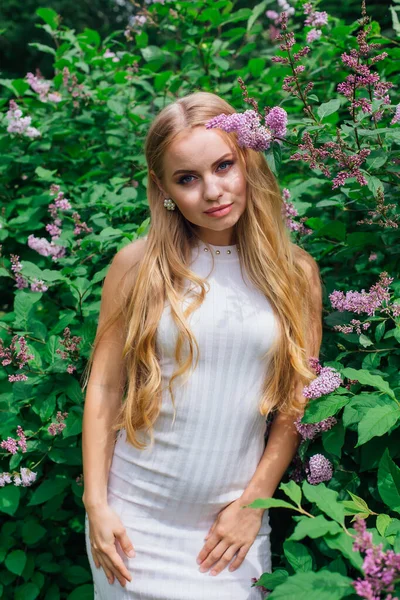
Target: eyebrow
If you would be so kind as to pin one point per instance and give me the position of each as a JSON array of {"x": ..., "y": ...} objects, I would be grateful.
[{"x": 194, "y": 171}]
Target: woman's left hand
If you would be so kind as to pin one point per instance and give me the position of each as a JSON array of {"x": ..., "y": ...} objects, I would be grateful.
[{"x": 234, "y": 530}]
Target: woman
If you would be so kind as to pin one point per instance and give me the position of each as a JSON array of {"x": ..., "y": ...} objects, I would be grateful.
[{"x": 232, "y": 286}]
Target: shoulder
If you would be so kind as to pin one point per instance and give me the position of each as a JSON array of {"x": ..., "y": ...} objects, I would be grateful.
[
  {"x": 130, "y": 254},
  {"x": 123, "y": 261},
  {"x": 305, "y": 260}
]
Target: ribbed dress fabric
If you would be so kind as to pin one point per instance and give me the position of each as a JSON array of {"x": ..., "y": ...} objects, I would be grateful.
[{"x": 168, "y": 496}]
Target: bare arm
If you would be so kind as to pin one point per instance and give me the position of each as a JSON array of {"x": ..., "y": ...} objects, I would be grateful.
[{"x": 106, "y": 383}]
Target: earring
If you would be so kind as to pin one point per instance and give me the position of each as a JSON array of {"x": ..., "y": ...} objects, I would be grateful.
[{"x": 169, "y": 204}]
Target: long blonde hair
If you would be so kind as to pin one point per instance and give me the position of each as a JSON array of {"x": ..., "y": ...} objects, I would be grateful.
[{"x": 266, "y": 252}]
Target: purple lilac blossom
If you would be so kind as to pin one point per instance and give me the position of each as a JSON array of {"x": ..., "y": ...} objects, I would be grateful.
[
  {"x": 381, "y": 569},
  {"x": 359, "y": 302},
  {"x": 19, "y": 124},
  {"x": 318, "y": 469},
  {"x": 247, "y": 126},
  {"x": 396, "y": 118},
  {"x": 308, "y": 431},
  {"x": 327, "y": 381}
]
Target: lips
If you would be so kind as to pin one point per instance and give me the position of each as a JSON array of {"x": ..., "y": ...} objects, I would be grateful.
[{"x": 218, "y": 208}]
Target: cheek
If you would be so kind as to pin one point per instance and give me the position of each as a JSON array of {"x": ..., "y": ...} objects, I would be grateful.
[{"x": 237, "y": 184}]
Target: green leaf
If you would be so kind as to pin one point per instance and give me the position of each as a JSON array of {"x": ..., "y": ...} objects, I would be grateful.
[
  {"x": 379, "y": 331},
  {"x": 27, "y": 591},
  {"x": 45, "y": 174},
  {"x": 116, "y": 106},
  {"x": 314, "y": 528},
  {"x": 320, "y": 409},
  {"x": 9, "y": 499},
  {"x": 344, "y": 543},
  {"x": 270, "y": 503},
  {"x": 47, "y": 489},
  {"x": 76, "y": 574},
  {"x": 257, "y": 11},
  {"x": 16, "y": 561},
  {"x": 298, "y": 556},
  {"x": 292, "y": 490},
  {"x": 328, "y": 108},
  {"x": 49, "y": 16},
  {"x": 382, "y": 522},
  {"x": 366, "y": 378},
  {"x": 389, "y": 481},
  {"x": 272, "y": 580},
  {"x": 32, "y": 532},
  {"x": 73, "y": 422},
  {"x": 83, "y": 592},
  {"x": 333, "y": 439},
  {"x": 377, "y": 421},
  {"x": 274, "y": 157},
  {"x": 333, "y": 229},
  {"x": 326, "y": 500},
  {"x": 313, "y": 586},
  {"x": 42, "y": 47},
  {"x": 359, "y": 503}
]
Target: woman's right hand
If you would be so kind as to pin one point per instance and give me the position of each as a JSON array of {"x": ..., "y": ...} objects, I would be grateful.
[{"x": 104, "y": 526}]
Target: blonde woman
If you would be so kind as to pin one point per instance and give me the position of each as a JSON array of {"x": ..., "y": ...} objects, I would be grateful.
[{"x": 205, "y": 328}]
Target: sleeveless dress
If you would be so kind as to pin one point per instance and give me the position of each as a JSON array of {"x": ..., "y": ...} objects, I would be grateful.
[{"x": 169, "y": 496}]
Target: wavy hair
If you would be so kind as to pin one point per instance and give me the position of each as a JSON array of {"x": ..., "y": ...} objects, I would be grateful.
[{"x": 270, "y": 258}]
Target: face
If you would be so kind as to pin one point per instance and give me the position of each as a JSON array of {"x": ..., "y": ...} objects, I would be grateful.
[{"x": 201, "y": 172}]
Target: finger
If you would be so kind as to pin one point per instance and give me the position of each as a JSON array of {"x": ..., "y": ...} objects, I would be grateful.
[
  {"x": 117, "y": 567},
  {"x": 95, "y": 558},
  {"x": 214, "y": 556},
  {"x": 239, "y": 558},
  {"x": 211, "y": 543},
  {"x": 224, "y": 560},
  {"x": 126, "y": 544},
  {"x": 106, "y": 569}
]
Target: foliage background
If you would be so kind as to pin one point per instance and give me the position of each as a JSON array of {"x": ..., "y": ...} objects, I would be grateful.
[{"x": 91, "y": 146}]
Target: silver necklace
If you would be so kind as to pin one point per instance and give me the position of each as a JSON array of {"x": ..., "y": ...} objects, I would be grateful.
[{"x": 229, "y": 251}]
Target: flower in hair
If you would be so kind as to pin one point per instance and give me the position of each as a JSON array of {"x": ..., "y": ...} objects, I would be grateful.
[{"x": 247, "y": 125}]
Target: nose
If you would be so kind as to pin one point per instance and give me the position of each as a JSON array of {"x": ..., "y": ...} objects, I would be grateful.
[{"x": 212, "y": 188}]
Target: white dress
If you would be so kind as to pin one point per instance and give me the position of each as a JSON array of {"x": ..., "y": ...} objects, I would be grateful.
[{"x": 169, "y": 496}]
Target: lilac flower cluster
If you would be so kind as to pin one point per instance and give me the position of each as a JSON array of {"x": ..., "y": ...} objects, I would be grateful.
[
  {"x": 109, "y": 54},
  {"x": 70, "y": 81},
  {"x": 308, "y": 431},
  {"x": 71, "y": 346},
  {"x": 381, "y": 569},
  {"x": 275, "y": 16},
  {"x": 19, "y": 124},
  {"x": 289, "y": 211},
  {"x": 25, "y": 477},
  {"x": 37, "y": 285},
  {"x": 328, "y": 380},
  {"x": 318, "y": 469},
  {"x": 350, "y": 163},
  {"x": 55, "y": 428},
  {"x": 10, "y": 355},
  {"x": 11, "y": 445},
  {"x": 363, "y": 78},
  {"x": 315, "y": 19},
  {"x": 247, "y": 126},
  {"x": 42, "y": 87},
  {"x": 43, "y": 246},
  {"x": 381, "y": 211},
  {"x": 396, "y": 118},
  {"x": 367, "y": 302},
  {"x": 355, "y": 324}
]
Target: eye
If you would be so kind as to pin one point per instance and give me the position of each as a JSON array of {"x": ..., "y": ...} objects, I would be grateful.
[{"x": 182, "y": 179}]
